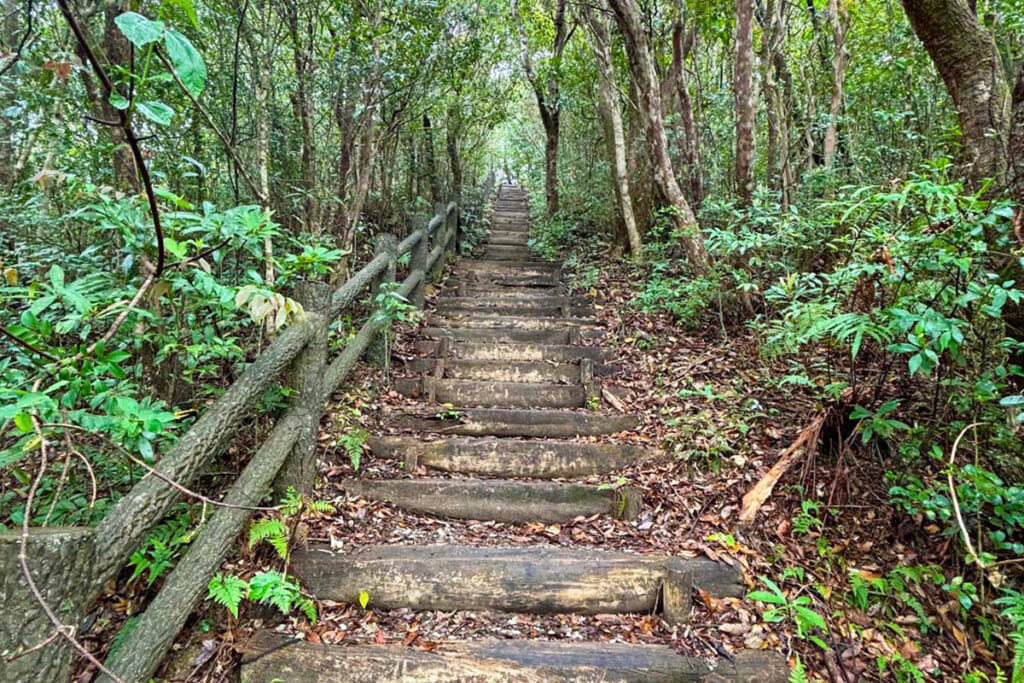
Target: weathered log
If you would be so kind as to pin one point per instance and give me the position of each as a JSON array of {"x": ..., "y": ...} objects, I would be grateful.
[
  {"x": 529, "y": 579},
  {"x": 125, "y": 527},
  {"x": 554, "y": 424},
  {"x": 553, "y": 353},
  {"x": 676, "y": 594},
  {"x": 494, "y": 335},
  {"x": 465, "y": 392},
  {"x": 306, "y": 379},
  {"x": 520, "y": 458},
  {"x": 497, "y": 500},
  {"x": 501, "y": 370},
  {"x": 380, "y": 348},
  {"x": 60, "y": 560},
  {"x": 269, "y": 656},
  {"x": 487, "y": 322},
  {"x": 140, "y": 654}
]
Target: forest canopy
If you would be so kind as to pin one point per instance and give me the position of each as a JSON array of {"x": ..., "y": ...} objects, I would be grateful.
[{"x": 835, "y": 187}]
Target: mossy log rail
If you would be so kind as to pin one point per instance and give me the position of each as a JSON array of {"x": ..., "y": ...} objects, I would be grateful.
[{"x": 285, "y": 458}]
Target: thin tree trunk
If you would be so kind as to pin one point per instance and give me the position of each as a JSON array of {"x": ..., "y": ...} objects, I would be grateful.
[
  {"x": 743, "y": 94},
  {"x": 599, "y": 42},
  {"x": 429, "y": 160},
  {"x": 641, "y": 65},
  {"x": 683, "y": 41},
  {"x": 839, "y": 20},
  {"x": 306, "y": 114},
  {"x": 547, "y": 94}
]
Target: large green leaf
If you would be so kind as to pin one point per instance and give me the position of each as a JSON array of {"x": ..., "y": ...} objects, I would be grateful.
[
  {"x": 157, "y": 112},
  {"x": 138, "y": 29},
  {"x": 187, "y": 61}
]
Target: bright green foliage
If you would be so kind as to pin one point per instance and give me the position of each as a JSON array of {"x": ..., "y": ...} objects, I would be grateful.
[
  {"x": 164, "y": 546},
  {"x": 799, "y": 611},
  {"x": 228, "y": 591}
]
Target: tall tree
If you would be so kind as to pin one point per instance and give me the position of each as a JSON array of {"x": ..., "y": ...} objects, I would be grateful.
[
  {"x": 599, "y": 41},
  {"x": 683, "y": 41},
  {"x": 645, "y": 79},
  {"x": 839, "y": 21},
  {"x": 967, "y": 59},
  {"x": 743, "y": 95},
  {"x": 546, "y": 89}
]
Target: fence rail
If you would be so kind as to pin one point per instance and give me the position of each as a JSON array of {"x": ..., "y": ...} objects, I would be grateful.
[{"x": 285, "y": 458}]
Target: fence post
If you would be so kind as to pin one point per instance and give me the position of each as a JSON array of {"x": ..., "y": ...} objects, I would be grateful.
[
  {"x": 440, "y": 233},
  {"x": 306, "y": 377},
  {"x": 379, "y": 349},
  {"x": 60, "y": 560},
  {"x": 418, "y": 264}
]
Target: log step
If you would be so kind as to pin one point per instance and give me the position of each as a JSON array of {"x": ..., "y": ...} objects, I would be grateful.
[
  {"x": 502, "y": 336},
  {"x": 499, "y": 500},
  {"x": 466, "y": 392},
  {"x": 536, "y": 458},
  {"x": 525, "y": 352},
  {"x": 487, "y": 283},
  {"x": 269, "y": 656},
  {"x": 500, "y": 370},
  {"x": 518, "y": 310},
  {"x": 523, "y": 579},
  {"x": 525, "y": 293},
  {"x": 529, "y": 301},
  {"x": 505, "y": 321}
]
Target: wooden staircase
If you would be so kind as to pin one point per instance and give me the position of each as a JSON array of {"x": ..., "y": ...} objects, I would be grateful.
[{"x": 507, "y": 348}]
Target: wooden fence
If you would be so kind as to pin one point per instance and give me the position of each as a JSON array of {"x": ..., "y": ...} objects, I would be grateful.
[{"x": 71, "y": 565}]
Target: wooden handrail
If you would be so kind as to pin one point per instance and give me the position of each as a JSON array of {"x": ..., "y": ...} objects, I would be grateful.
[{"x": 143, "y": 649}]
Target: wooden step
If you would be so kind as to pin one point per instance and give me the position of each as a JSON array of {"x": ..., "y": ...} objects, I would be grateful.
[
  {"x": 483, "y": 301},
  {"x": 501, "y": 292},
  {"x": 499, "y": 500},
  {"x": 498, "y": 335},
  {"x": 447, "y": 309},
  {"x": 487, "y": 284},
  {"x": 523, "y": 579},
  {"x": 498, "y": 370},
  {"x": 269, "y": 656},
  {"x": 541, "y": 424},
  {"x": 506, "y": 253},
  {"x": 553, "y": 353},
  {"x": 536, "y": 458},
  {"x": 484, "y": 322},
  {"x": 466, "y": 392}
]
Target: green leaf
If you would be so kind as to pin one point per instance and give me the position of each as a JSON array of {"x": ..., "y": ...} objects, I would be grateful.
[
  {"x": 364, "y": 599},
  {"x": 56, "y": 276},
  {"x": 117, "y": 101},
  {"x": 23, "y": 421},
  {"x": 157, "y": 112},
  {"x": 187, "y": 61},
  {"x": 138, "y": 29},
  {"x": 765, "y": 596}
]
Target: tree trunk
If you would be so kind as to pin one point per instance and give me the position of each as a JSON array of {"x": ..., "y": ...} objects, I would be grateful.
[
  {"x": 778, "y": 100},
  {"x": 452, "y": 147},
  {"x": 599, "y": 41},
  {"x": 966, "y": 57},
  {"x": 839, "y": 20},
  {"x": 682, "y": 43},
  {"x": 547, "y": 93},
  {"x": 1016, "y": 161},
  {"x": 641, "y": 65},
  {"x": 429, "y": 161},
  {"x": 306, "y": 114},
  {"x": 743, "y": 95}
]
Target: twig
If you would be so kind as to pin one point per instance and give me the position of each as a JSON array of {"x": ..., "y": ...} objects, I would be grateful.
[
  {"x": 38, "y": 646},
  {"x": 26, "y": 345},
  {"x": 956, "y": 500},
  {"x": 163, "y": 477},
  {"x": 129, "y": 132},
  {"x": 63, "y": 629},
  {"x": 24, "y": 39},
  {"x": 116, "y": 325}
]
